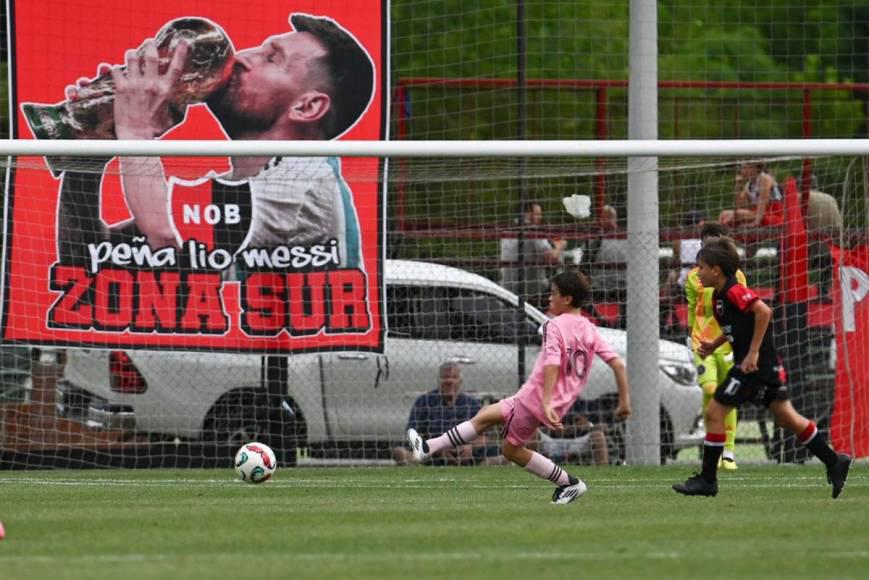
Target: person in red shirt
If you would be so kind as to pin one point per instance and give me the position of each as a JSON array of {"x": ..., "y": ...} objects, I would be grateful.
[
  {"x": 759, "y": 199},
  {"x": 756, "y": 375}
]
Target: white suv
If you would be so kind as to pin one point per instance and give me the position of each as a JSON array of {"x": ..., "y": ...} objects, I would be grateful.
[{"x": 356, "y": 399}]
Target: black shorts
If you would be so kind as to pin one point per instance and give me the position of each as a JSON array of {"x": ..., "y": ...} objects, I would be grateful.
[{"x": 758, "y": 387}]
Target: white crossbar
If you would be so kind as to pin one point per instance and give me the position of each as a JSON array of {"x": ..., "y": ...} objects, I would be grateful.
[{"x": 639, "y": 148}]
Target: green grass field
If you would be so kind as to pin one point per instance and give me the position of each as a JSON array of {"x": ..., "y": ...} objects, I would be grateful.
[{"x": 767, "y": 522}]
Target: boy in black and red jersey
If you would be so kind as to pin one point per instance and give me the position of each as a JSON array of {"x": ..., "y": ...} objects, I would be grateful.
[{"x": 756, "y": 375}]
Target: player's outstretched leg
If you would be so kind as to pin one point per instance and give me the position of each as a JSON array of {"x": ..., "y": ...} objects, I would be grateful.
[
  {"x": 837, "y": 474},
  {"x": 462, "y": 434},
  {"x": 574, "y": 489},
  {"x": 417, "y": 446},
  {"x": 569, "y": 488},
  {"x": 838, "y": 464}
]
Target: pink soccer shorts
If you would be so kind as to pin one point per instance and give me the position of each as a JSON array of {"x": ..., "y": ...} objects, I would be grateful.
[{"x": 519, "y": 424}]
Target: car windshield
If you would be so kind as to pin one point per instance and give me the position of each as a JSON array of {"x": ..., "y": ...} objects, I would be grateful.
[
  {"x": 479, "y": 317},
  {"x": 443, "y": 313}
]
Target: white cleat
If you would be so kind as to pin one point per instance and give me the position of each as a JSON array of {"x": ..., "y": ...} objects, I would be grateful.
[
  {"x": 570, "y": 492},
  {"x": 417, "y": 446}
]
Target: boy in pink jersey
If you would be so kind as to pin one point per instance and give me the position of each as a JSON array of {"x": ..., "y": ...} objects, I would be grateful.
[{"x": 561, "y": 372}]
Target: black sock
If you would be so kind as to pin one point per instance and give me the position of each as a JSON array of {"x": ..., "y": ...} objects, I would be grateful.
[
  {"x": 812, "y": 439},
  {"x": 711, "y": 455},
  {"x": 822, "y": 451}
]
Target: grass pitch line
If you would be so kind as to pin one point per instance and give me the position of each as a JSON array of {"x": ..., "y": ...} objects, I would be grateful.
[
  {"x": 409, "y": 556},
  {"x": 856, "y": 480}
]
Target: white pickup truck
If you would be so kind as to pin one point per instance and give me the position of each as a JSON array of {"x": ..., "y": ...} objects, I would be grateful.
[{"x": 357, "y": 399}]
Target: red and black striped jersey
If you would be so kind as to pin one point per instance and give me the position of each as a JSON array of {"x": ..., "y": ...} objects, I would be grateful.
[{"x": 732, "y": 308}]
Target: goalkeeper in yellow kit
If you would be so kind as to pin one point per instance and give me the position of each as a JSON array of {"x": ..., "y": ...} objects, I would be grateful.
[{"x": 712, "y": 369}]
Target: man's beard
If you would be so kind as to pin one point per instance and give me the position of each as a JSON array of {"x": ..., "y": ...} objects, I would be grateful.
[{"x": 223, "y": 104}]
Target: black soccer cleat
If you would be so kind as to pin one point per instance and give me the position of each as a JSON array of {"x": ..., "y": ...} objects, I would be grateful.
[
  {"x": 837, "y": 474},
  {"x": 696, "y": 485}
]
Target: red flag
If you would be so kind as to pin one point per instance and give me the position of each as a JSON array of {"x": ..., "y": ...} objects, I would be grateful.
[
  {"x": 849, "y": 426},
  {"x": 794, "y": 270}
]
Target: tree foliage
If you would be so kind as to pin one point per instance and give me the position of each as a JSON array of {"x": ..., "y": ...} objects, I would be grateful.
[{"x": 808, "y": 41}]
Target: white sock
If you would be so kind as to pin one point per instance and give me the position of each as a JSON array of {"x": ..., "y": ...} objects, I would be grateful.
[
  {"x": 729, "y": 455},
  {"x": 461, "y": 434},
  {"x": 545, "y": 468}
]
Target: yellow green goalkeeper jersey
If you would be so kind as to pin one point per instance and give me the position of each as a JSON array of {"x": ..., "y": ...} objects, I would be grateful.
[{"x": 701, "y": 320}]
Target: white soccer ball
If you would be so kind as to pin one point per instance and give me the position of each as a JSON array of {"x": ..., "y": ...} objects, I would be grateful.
[{"x": 255, "y": 462}]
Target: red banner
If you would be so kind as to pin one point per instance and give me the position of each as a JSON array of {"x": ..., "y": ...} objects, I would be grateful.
[
  {"x": 849, "y": 426},
  {"x": 794, "y": 269},
  {"x": 253, "y": 255}
]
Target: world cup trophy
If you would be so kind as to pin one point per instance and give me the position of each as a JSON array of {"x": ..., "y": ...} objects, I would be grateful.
[{"x": 91, "y": 115}]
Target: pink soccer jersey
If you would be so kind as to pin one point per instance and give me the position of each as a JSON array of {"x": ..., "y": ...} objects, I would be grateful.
[{"x": 569, "y": 341}]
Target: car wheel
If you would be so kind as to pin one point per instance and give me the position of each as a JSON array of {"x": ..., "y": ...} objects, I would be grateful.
[
  {"x": 247, "y": 415},
  {"x": 237, "y": 418},
  {"x": 667, "y": 451}
]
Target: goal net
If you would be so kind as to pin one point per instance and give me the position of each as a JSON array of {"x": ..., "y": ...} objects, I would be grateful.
[
  {"x": 159, "y": 310},
  {"x": 128, "y": 363}
]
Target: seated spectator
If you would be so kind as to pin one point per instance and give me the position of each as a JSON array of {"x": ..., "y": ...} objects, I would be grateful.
[
  {"x": 611, "y": 250},
  {"x": 607, "y": 270},
  {"x": 823, "y": 222},
  {"x": 759, "y": 199},
  {"x": 540, "y": 256},
  {"x": 580, "y": 439},
  {"x": 684, "y": 259},
  {"x": 438, "y": 410},
  {"x": 685, "y": 250},
  {"x": 824, "y": 214}
]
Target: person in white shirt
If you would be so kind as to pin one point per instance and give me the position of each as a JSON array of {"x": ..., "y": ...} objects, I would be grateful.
[{"x": 540, "y": 257}]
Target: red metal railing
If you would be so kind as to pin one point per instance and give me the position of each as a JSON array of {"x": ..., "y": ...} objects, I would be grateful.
[{"x": 600, "y": 89}]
